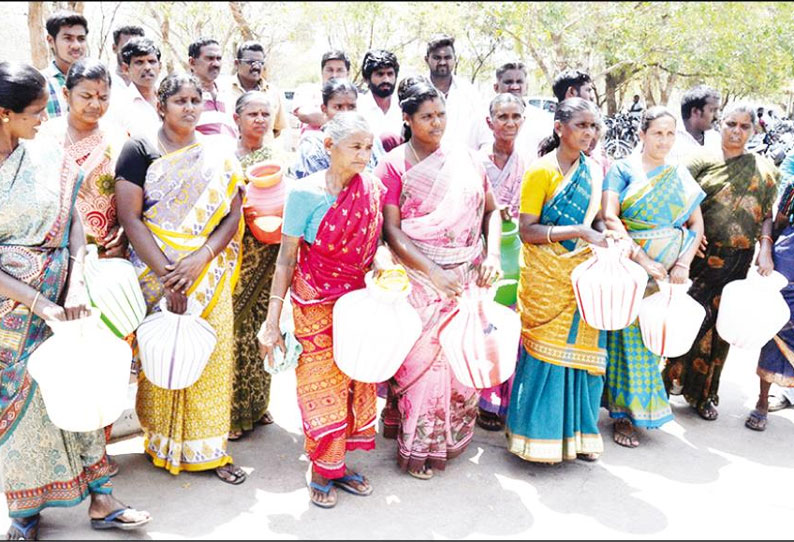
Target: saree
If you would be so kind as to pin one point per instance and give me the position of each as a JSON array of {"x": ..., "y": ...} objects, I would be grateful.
[
  {"x": 442, "y": 205},
  {"x": 740, "y": 193},
  {"x": 553, "y": 411},
  {"x": 776, "y": 363},
  {"x": 653, "y": 209},
  {"x": 42, "y": 465},
  {"x": 338, "y": 413},
  {"x": 250, "y": 300},
  {"x": 506, "y": 184},
  {"x": 186, "y": 195},
  {"x": 94, "y": 157}
]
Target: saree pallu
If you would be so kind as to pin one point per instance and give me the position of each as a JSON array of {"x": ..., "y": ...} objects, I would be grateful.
[
  {"x": 506, "y": 183},
  {"x": 776, "y": 364},
  {"x": 94, "y": 157},
  {"x": 696, "y": 375},
  {"x": 559, "y": 379},
  {"x": 250, "y": 299},
  {"x": 186, "y": 195},
  {"x": 654, "y": 211},
  {"x": 338, "y": 413},
  {"x": 42, "y": 465},
  {"x": 441, "y": 205}
]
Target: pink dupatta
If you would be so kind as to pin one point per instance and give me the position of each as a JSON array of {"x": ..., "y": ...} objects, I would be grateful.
[{"x": 345, "y": 245}]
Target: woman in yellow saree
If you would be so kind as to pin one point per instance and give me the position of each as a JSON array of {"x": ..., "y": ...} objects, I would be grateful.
[
  {"x": 180, "y": 205},
  {"x": 557, "y": 387}
]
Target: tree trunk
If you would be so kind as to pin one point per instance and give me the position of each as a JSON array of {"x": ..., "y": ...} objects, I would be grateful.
[
  {"x": 237, "y": 14},
  {"x": 38, "y": 41},
  {"x": 76, "y": 6},
  {"x": 610, "y": 88}
]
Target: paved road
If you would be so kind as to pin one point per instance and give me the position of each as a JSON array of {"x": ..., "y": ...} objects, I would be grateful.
[{"x": 692, "y": 479}]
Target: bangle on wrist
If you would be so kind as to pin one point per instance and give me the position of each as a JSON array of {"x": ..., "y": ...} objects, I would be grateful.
[
  {"x": 548, "y": 235},
  {"x": 769, "y": 237},
  {"x": 272, "y": 297},
  {"x": 209, "y": 248},
  {"x": 33, "y": 305},
  {"x": 681, "y": 265}
]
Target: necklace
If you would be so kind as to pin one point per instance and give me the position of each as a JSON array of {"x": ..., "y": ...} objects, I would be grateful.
[{"x": 416, "y": 156}]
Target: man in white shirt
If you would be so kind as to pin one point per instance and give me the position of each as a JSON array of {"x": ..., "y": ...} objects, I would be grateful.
[
  {"x": 463, "y": 103},
  {"x": 205, "y": 57},
  {"x": 121, "y": 36},
  {"x": 308, "y": 97},
  {"x": 135, "y": 110},
  {"x": 380, "y": 106},
  {"x": 511, "y": 77},
  {"x": 699, "y": 107}
]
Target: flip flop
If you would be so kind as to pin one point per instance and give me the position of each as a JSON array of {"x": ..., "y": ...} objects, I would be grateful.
[
  {"x": 112, "y": 521},
  {"x": 619, "y": 430},
  {"x": 266, "y": 419},
  {"x": 756, "y": 421},
  {"x": 25, "y": 529},
  {"x": 707, "y": 410},
  {"x": 238, "y": 474},
  {"x": 424, "y": 474},
  {"x": 778, "y": 402},
  {"x": 489, "y": 421},
  {"x": 326, "y": 490},
  {"x": 344, "y": 483}
]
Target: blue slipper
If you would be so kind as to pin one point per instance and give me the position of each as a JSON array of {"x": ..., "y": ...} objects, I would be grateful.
[
  {"x": 25, "y": 529},
  {"x": 112, "y": 521},
  {"x": 344, "y": 483},
  {"x": 326, "y": 489}
]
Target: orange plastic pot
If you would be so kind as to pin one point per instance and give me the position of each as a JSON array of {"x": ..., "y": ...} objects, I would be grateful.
[
  {"x": 264, "y": 174},
  {"x": 266, "y": 229}
]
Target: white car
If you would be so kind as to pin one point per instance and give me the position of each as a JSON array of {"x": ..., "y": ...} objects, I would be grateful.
[{"x": 543, "y": 102}]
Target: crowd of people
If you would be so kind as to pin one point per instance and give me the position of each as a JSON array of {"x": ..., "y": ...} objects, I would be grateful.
[{"x": 416, "y": 175}]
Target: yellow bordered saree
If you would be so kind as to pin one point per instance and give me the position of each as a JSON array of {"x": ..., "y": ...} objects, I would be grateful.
[{"x": 186, "y": 195}]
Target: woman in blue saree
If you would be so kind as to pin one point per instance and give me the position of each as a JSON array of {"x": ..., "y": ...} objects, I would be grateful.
[
  {"x": 655, "y": 205},
  {"x": 557, "y": 387}
]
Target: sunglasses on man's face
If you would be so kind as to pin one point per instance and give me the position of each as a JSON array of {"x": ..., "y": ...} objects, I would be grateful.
[{"x": 252, "y": 63}]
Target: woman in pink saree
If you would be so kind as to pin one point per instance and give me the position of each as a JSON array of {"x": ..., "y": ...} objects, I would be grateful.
[{"x": 438, "y": 206}]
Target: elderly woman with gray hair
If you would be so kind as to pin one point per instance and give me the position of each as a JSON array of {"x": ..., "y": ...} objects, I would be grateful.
[
  {"x": 331, "y": 232},
  {"x": 740, "y": 189}
]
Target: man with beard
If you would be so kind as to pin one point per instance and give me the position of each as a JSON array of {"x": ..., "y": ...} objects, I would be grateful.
[
  {"x": 135, "y": 111},
  {"x": 380, "y": 69},
  {"x": 463, "y": 103},
  {"x": 66, "y": 37},
  {"x": 250, "y": 68},
  {"x": 121, "y": 36},
  {"x": 205, "y": 58}
]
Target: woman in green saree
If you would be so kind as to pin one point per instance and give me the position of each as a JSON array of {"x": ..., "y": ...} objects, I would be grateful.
[
  {"x": 41, "y": 250},
  {"x": 251, "y": 382},
  {"x": 740, "y": 189}
]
